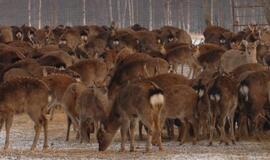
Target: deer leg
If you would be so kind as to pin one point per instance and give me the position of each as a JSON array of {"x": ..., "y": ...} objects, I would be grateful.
[
  {"x": 170, "y": 128},
  {"x": 140, "y": 130},
  {"x": 52, "y": 113},
  {"x": 184, "y": 134},
  {"x": 1, "y": 124},
  {"x": 180, "y": 132},
  {"x": 9, "y": 121},
  {"x": 45, "y": 128},
  {"x": 132, "y": 134},
  {"x": 195, "y": 128},
  {"x": 149, "y": 140},
  {"x": 124, "y": 131},
  {"x": 37, "y": 133},
  {"x": 212, "y": 129},
  {"x": 157, "y": 129},
  {"x": 257, "y": 129},
  {"x": 222, "y": 130},
  {"x": 231, "y": 121},
  {"x": 68, "y": 128}
]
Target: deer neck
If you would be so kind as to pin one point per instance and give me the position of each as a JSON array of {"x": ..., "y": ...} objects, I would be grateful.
[{"x": 112, "y": 125}]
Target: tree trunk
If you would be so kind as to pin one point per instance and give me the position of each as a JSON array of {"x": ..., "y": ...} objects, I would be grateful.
[
  {"x": 150, "y": 15},
  {"x": 110, "y": 11},
  {"x": 39, "y": 14},
  {"x": 266, "y": 4},
  {"x": 29, "y": 12},
  {"x": 84, "y": 13},
  {"x": 207, "y": 12}
]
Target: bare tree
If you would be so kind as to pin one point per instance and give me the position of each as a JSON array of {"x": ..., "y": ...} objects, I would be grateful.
[
  {"x": 110, "y": 11},
  {"x": 29, "y": 12},
  {"x": 266, "y": 4},
  {"x": 84, "y": 12},
  {"x": 188, "y": 15},
  {"x": 207, "y": 12},
  {"x": 39, "y": 13},
  {"x": 119, "y": 13},
  {"x": 150, "y": 15}
]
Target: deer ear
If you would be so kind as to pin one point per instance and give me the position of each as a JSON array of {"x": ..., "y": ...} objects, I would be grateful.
[{"x": 245, "y": 42}]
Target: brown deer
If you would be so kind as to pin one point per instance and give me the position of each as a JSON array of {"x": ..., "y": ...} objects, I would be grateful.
[
  {"x": 138, "y": 68},
  {"x": 223, "y": 96},
  {"x": 68, "y": 102},
  {"x": 91, "y": 71},
  {"x": 254, "y": 92},
  {"x": 183, "y": 62},
  {"x": 140, "y": 100},
  {"x": 92, "y": 107},
  {"x": 162, "y": 81},
  {"x": 181, "y": 103},
  {"x": 32, "y": 96},
  {"x": 58, "y": 84}
]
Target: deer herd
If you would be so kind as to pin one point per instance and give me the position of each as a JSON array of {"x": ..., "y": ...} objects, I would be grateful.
[{"x": 107, "y": 78}]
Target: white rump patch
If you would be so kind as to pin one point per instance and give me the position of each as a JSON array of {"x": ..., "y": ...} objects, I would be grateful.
[
  {"x": 212, "y": 97},
  {"x": 217, "y": 96},
  {"x": 157, "y": 99},
  {"x": 78, "y": 79},
  {"x": 244, "y": 90},
  {"x": 201, "y": 92},
  {"x": 49, "y": 98}
]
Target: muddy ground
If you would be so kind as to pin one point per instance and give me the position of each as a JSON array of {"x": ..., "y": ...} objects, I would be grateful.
[{"x": 22, "y": 134}]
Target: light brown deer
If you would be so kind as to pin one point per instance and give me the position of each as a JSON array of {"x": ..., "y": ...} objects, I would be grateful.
[
  {"x": 31, "y": 97},
  {"x": 234, "y": 58},
  {"x": 68, "y": 102}
]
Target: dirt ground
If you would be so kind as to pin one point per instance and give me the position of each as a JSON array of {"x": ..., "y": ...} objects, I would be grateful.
[{"x": 22, "y": 134}]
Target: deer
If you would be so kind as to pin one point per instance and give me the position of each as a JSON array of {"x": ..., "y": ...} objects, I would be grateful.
[
  {"x": 93, "y": 107},
  {"x": 162, "y": 81},
  {"x": 254, "y": 94},
  {"x": 138, "y": 100},
  {"x": 91, "y": 70},
  {"x": 58, "y": 84},
  {"x": 32, "y": 97},
  {"x": 234, "y": 58},
  {"x": 223, "y": 96},
  {"x": 68, "y": 102}
]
